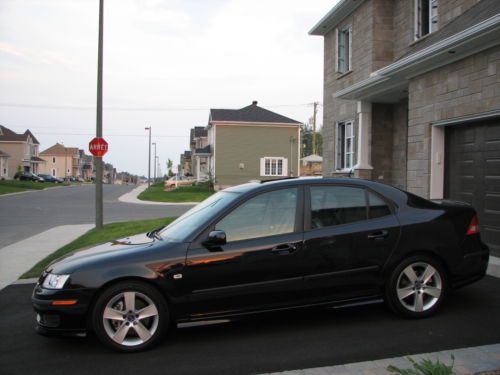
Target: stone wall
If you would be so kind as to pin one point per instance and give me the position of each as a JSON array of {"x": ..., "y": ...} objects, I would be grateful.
[
  {"x": 465, "y": 87},
  {"x": 399, "y": 144}
]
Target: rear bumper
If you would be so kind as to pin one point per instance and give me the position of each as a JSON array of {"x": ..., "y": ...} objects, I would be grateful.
[
  {"x": 60, "y": 319},
  {"x": 472, "y": 269}
]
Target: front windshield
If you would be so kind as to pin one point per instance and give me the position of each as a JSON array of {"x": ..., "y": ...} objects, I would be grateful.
[{"x": 186, "y": 224}]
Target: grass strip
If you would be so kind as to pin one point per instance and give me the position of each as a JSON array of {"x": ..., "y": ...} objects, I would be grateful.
[{"x": 95, "y": 237}]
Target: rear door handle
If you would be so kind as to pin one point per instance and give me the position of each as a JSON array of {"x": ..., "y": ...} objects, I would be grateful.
[
  {"x": 378, "y": 235},
  {"x": 284, "y": 249}
]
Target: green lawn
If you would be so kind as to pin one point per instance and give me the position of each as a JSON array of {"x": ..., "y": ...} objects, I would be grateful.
[
  {"x": 94, "y": 237},
  {"x": 195, "y": 193},
  {"x": 14, "y": 186}
]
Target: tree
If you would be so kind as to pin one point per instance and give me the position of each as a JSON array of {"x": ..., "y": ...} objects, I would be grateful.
[
  {"x": 307, "y": 139},
  {"x": 170, "y": 163}
]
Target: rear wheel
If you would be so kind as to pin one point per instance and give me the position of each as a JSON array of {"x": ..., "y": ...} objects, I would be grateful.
[
  {"x": 416, "y": 287},
  {"x": 130, "y": 316}
]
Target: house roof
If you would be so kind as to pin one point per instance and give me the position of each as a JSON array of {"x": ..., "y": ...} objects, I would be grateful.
[
  {"x": 340, "y": 11},
  {"x": 204, "y": 150},
  {"x": 36, "y": 159},
  {"x": 7, "y": 135},
  {"x": 312, "y": 159},
  {"x": 59, "y": 150},
  {"x": 252, "y": 113}
]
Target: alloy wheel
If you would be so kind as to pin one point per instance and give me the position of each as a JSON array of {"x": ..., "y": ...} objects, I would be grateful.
[
  {"x": 130, "y": 318},
  {"x": 419, "y": 287}
]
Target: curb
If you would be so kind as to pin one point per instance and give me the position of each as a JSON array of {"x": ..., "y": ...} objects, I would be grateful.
[{"x": 32, "y": 191}]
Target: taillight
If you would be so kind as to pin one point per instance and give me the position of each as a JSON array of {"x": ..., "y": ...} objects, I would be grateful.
[{"x": 473, "y": 226}]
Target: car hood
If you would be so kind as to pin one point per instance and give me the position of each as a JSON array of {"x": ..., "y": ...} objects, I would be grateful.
[{"x": 110, "y": 251}]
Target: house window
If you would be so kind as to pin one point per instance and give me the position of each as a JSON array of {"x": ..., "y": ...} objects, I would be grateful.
[
  {"x": 345, "y": 145},
  {"x": 344, "y": 49},
  {"x": 426, "y": 17},
  {"x": 273, "y": 166},
  {"x": 53, "y": 172},
  {"x": 53, "y": 160}
]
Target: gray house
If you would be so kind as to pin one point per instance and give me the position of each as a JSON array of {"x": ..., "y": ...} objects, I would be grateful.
[
  {"x": 412, "y": 98},
  {"x": 251, "y": 143}
]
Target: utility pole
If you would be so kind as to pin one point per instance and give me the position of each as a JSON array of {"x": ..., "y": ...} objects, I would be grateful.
[
  {"x": 98, "y": 161},
  {"x": 149, "y": 157},
  {"x": 154, "y": 173},
  {"x": 315, "y": 105}
]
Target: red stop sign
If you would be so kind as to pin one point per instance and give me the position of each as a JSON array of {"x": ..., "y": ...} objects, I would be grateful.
[{"x": 98, "y": 147}]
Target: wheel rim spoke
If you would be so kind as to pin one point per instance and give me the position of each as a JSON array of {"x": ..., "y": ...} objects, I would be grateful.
[
  {"x": 142, "y": 331},
  {"x": 129, "y": 298},
  {"x": 405, "y": 292},
  {"x": 147, "y": 312},
  {"x": 428, "y": 274},
  {"x": 121, "y": 333},
  {"x": 110, "y": 313},
  {"x": 419, "y": 302},
  {"x": 432, "y": 291},
  {"x": 410, "y": 274}
]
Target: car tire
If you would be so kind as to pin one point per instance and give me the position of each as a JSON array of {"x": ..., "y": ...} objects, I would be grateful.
[
  {"x": 416, "y": 287},
  {"x": 117, "y": 320}
]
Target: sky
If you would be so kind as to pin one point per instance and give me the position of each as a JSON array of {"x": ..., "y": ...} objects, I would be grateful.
[{"x": 166, "y": 63}]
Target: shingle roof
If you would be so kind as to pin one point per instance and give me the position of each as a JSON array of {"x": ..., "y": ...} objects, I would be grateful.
[
  {"x": 480, "y": 12},
  {"x": 251, "y": 113},
  {"x": 7, "y": 135},
  {"x": 59, "y": 150},
  {"x": 204, "y": 150}
]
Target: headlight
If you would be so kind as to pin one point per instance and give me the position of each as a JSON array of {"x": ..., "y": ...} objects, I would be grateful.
[{"x": 54, "y": 281}]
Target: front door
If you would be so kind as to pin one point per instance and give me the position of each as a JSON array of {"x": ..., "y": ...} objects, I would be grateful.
[{"x": 261, "y": 265}]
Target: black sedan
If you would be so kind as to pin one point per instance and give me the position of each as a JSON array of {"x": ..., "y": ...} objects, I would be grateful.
[
  {"x": 265, "y": 247},
  {"x": 49, "y": 178},
  {"x": 28, "y": 176}
]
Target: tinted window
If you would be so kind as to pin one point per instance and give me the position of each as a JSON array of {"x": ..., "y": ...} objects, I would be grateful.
[
  {"x": 335, "y": 205},
  {"x": 267, "y": 214},
  {"x": 378, "y": 207}
]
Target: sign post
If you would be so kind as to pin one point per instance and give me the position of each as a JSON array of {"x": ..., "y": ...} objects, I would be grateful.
[{"x": 98, "y": 133}]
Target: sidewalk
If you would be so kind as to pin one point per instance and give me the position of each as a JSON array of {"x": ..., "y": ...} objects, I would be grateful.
[
  {"x": 467, "y": 361},
  {"x": 19, "y": 257},
  {"x": 131, "y": 197}
]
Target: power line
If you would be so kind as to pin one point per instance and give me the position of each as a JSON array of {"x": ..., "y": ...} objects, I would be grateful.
[{"x": 129, "y": 109}]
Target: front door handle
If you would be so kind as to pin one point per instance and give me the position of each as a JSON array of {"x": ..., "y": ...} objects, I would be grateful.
[
  {"x": 378, "y": 235},
  {"x": 284, "y": 249}
]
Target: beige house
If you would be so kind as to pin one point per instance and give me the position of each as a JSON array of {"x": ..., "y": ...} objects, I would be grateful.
[
  {"x": 22, "y": 151},
  {"x": 200, "y": 153},
  {"x": 412, "y": 98},
  {"x": 251, "y": 143},
  {"x": 61, "y": 161}
]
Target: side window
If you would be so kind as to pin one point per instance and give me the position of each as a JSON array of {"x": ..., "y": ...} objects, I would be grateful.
[
  {"x": 265, "y": 215},
  {"x": 336, "y": 205},
  {"x": 378, "y": 207}
]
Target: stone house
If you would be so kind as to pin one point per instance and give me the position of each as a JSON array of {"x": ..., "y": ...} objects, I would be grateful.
[
  {"x": 61, "y": 161},
  {"x": 185, "y": 164},
  {"x": 252, "y": 143},
  {"x": 200, "y": 153},
  {"x": 22, "y": 151},
  {"x": 412, "y": 98},
  {"x": 4, "y": 166}
]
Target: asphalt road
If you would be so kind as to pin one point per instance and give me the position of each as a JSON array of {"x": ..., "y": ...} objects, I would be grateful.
[
  {"x": 24, "y": 215},
  {"x": 277, "y": 342}
]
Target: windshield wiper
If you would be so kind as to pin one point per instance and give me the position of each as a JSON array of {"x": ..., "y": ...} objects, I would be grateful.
[{"x": 154, "y": 233}]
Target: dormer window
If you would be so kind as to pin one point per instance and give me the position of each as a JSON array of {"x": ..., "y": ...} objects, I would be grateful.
[
  {"x": 426, "y": 17},
  {"x": 344, "y": 49}
]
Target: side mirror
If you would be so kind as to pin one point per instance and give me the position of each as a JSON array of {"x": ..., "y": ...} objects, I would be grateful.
[{"x": 215, "y": 238}]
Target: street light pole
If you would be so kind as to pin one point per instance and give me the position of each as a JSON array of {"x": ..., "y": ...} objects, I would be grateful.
[
  {"x": 98, "y": 160},
  {"x": 154, "y": 172},
  {"x": 149, "y": 157}
]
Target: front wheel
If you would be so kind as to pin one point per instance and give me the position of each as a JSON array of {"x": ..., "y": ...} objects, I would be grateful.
[
  {"x": 416, "y": 287},
  {"x": 130, "y": 316}
]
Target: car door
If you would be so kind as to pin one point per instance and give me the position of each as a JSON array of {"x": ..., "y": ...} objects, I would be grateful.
[
  {"x": 260, "y": 266},
  {"x": 343, "y": 247}
]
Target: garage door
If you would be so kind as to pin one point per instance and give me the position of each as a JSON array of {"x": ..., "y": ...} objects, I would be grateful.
[{"x": 473, "y": 173}]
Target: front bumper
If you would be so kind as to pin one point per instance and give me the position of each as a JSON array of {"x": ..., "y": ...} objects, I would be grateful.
[{"x": 61, "y": 319}]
